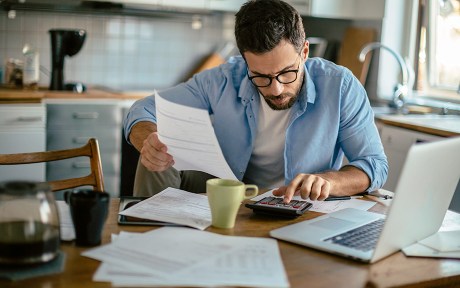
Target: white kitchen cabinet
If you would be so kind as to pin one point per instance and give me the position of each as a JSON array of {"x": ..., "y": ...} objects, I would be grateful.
[
  {"x": 341, "y": 9},
  {"x": 396, "y": 143},
  {"x": 22, "y": 129},
  {"x": 71, "y": 124},
  {"x": 226, "y": 5},
  {"x": 186, "y": 4},
  {"x": 348, "y": 9}
]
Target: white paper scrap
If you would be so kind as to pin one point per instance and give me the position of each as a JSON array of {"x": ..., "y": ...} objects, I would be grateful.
[
  {"x": 443, "y": 241},
  {"x": 65, "y": 221}
]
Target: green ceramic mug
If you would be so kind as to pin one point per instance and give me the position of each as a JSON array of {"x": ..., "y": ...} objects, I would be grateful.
[{"x": 225, "y": 197}]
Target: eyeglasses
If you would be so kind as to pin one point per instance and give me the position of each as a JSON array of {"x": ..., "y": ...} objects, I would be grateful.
[{"x": 284, "y": 77}]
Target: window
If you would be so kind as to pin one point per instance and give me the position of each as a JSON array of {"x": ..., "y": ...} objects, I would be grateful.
[{"x": 438, "y": 67}]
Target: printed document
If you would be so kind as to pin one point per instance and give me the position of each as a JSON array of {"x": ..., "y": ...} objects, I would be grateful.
[
  {"x": 190, "y": 138},
  {"x": 174, "y": 206},
  {"x": 179, "y": 256},
  {"x": 326, "y": 206}
]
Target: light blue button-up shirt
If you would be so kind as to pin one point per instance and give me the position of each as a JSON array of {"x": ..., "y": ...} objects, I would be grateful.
[{"x": 331, "y": 118}]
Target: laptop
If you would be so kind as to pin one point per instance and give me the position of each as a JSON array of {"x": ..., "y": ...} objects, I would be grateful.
[{"x": 424, "y": 191}]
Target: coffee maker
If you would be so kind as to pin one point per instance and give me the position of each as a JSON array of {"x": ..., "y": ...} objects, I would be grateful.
[{"x": 64, "y": 43}]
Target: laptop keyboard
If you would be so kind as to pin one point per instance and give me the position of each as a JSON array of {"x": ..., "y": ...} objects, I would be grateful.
[{"x": 363, "y": 238}]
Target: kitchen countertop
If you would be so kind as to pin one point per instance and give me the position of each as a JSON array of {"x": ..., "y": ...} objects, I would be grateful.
[
  {"x": 17, "y": 95},
  {"x": 439, "y": 125}
]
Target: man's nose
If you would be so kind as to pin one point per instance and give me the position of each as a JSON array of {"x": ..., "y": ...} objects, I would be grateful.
[{"x": 275, "y": 88}]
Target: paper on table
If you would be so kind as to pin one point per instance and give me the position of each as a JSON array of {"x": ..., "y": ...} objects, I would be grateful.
[
  {"x": 450, "y": 223},
  {"x": 419, "y": 250},
  {"x": 65, "y": 221},
  {"x": 190, "y": 138},
  {"x": 174, "y": 206},
  {"x": 326, "y": 206},
  {"x": 173, "y": 256},
  {"x": 443, "y": 241}
]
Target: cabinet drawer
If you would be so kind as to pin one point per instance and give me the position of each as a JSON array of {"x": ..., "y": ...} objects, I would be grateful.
[
  {"x": 22, "y": 116},
  {"x": 79, "y": 167},
  {"x": 400, "y": 139},
  {"x": 83, "y": 116},
  {"x": 109, "y": 139}
]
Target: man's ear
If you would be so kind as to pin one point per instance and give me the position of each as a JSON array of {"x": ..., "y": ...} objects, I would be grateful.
[{"x": 305, "y": 50}]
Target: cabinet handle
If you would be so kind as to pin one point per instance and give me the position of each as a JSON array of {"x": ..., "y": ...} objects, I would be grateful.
[
  {"x": 85, "y": 115},
  {"x": 30, "y": 119},
  {"x": 80, "y": 140},
  {"x": 79, "y": 165}
]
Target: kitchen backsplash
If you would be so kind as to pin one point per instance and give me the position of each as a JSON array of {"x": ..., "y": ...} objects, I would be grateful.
[{"x": 120, "y": 52}]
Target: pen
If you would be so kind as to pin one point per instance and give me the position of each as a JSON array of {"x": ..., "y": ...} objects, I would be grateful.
[
  {"x": 337, "y": 198},
  {"x": 379, "y": 195}
]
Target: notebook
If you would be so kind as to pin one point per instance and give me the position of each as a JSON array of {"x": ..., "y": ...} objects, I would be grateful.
[{"x": 425, "y": 188}]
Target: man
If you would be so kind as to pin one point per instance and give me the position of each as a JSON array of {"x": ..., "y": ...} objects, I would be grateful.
[{"x": 281, "y": 121}]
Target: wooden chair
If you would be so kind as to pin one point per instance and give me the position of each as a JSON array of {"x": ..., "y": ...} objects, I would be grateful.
[{"x": 90, "y": 149}]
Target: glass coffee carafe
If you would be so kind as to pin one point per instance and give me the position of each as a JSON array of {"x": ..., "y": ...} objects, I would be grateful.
[{"x": 29, "y": 223}]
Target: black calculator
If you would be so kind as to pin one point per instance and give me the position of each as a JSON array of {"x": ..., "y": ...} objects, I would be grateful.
[{"x": 274, "y": 206}]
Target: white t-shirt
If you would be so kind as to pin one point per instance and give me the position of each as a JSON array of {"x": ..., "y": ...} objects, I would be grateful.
[{"x": 266, "y": 166}]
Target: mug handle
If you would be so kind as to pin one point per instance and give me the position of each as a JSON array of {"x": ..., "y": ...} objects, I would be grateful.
[
  {"x": 67, "y": 197},
  {"x": 255, "y": 191}
]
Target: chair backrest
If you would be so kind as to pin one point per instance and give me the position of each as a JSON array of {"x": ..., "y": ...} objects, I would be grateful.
[{"x": 90, "y": 149}]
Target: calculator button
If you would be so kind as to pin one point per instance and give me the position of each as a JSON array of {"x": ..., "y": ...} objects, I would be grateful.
[
  {"x": 293, "y": 203},
  {"x": 273, "y": 202},
  {"x": 298, "y": 204},
  {"x": 266, "y": 200}
]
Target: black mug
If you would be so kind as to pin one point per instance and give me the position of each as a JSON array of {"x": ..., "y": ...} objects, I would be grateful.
[{"x": 89, "y": 210}]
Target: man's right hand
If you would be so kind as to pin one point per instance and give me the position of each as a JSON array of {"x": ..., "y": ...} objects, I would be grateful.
[{"x": 154, "y": 154}]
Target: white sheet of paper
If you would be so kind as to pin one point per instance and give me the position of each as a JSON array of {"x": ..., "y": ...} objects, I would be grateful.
[
  {"x": 326, "y": 206},
  {"x": 65, "y": 221},
  {"x": 419, "y": 250},
  {"x": 174, "y": 206},
  {"x": 187, "y": 257},
  {"x": 451, "y": 221},
  {"x": 443, "y": 241},
  {"x": 190, "y": 138}
]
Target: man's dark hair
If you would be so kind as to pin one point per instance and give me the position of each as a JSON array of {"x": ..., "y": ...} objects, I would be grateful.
[{"x": 261, "y": 25}]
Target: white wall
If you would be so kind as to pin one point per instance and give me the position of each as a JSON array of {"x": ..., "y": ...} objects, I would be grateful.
[{"x": 397, "y": 35}]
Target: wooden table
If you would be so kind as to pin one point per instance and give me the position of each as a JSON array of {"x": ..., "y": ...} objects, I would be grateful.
[{"x": 305, "y": 267}]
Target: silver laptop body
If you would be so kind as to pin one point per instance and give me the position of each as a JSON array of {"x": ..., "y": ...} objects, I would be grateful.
[{"x": 425, "y": 188}]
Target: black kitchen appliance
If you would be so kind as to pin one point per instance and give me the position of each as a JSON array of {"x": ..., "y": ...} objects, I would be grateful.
[{"x": 63, "y": 43}]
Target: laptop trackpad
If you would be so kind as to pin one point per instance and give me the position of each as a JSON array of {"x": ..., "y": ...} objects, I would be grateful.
[{"x": 332, "y": 223}]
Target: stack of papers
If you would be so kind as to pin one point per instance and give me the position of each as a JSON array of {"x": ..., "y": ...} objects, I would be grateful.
[{"x": 180, "y": 256}]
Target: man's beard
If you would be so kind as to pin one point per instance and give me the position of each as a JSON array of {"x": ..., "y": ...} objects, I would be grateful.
[{"x": 284, "y": 106}]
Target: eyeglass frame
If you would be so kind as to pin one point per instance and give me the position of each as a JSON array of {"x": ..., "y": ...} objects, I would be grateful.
[{"x": 275, "y": 77}]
